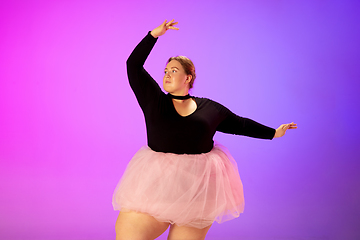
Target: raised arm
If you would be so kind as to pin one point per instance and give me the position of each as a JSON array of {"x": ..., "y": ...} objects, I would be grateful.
[{"x": 143, "y": 85}]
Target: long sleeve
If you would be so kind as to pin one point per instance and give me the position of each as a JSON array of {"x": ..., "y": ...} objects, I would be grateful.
[
  {"x": 235, "y": 124},
  {"x": 167, "y": 131},
  {"x": 144, "y": 86}
]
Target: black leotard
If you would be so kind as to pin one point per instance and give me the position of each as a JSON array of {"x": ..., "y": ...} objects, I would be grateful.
[{"x": 169, "y": 132}]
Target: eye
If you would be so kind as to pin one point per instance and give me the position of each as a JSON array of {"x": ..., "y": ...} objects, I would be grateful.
[
  {"x": 173, "y": 71},
  {"x": 165, "y": 72}
]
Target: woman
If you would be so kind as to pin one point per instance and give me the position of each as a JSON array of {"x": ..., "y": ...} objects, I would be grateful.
[{"x": 182, "y": 179}]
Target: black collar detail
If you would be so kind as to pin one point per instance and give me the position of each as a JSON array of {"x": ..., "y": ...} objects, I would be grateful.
[{"x": 179, "y": 97}]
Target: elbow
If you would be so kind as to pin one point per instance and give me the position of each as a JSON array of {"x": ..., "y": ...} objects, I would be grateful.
[
  {"x": 129, "y": 62},
  {"x": 130, "y": 66},
  {"x": 133, "y": 64}
]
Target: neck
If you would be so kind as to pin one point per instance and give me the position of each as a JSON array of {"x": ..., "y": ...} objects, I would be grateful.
[
  {"x": 180, "y": 94},
  {"x": 179, "y": 97}
]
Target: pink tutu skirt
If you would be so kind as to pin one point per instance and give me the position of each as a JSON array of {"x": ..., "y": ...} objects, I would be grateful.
[{"x": 191, "y": 190}]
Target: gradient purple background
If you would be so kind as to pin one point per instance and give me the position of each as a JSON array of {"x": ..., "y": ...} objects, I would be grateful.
[{"x": 69, "y": 122}]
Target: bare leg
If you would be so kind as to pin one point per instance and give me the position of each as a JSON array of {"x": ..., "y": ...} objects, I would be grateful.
[
  {"x": 138, "y": 226},
  {"x": 188, "y": 233}
]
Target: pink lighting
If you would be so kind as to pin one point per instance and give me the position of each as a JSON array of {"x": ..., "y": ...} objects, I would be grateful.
[{"x": 69, "y": 122}]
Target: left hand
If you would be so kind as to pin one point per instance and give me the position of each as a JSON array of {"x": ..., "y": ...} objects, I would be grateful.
[{"x": 280, "y": 131}]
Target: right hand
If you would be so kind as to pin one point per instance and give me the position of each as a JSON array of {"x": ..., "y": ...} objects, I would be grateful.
[{"x": 161, "y": 30}]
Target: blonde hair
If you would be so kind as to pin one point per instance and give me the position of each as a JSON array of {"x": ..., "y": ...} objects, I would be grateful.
[{"x": 188, "y": 66}]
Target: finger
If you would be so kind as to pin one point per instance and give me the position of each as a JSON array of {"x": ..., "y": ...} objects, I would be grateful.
[
  {"x": 169, "y": 23},
  {"x": 291, "y": 124},
  {"x": 175, "y": 28},
  {"x": 164, "y": 23},
  {"x": 174, "y": 23}
]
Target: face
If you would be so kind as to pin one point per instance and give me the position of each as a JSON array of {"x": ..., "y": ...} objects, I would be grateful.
[{"x": 175, "y": 79}]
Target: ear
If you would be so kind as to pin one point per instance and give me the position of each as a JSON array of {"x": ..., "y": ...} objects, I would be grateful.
[{"x": 188, "y": 78}]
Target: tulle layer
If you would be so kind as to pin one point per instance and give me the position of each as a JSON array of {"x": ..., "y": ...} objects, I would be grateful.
[{"x": 189, "y": 190}]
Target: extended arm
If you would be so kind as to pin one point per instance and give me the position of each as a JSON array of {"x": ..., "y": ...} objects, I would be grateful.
[
  {"x": 247, "y": 127},
  {"x": 234, "y": 124},
  {"x": 244, "y": 126}
]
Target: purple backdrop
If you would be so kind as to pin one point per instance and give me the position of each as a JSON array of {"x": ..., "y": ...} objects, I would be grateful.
[{"x": 69, "y": 122}]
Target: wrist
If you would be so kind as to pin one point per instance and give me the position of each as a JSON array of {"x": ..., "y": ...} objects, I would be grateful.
[
  {"x": 276, "y": 135},
  {"x": 153, "y": 34}
]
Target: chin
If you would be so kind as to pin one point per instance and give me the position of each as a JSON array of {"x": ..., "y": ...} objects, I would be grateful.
[{"x": 167, "y": 89}]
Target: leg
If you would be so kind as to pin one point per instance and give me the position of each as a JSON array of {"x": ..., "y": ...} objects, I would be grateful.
[
  {"x": 138, "y": 226},
  {"x": 187, "y": 233}
]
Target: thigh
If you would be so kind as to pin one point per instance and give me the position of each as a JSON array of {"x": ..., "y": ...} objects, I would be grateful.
[
  {"x": 138, "y": 226},
  {"x": 188, "y": 233}
]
